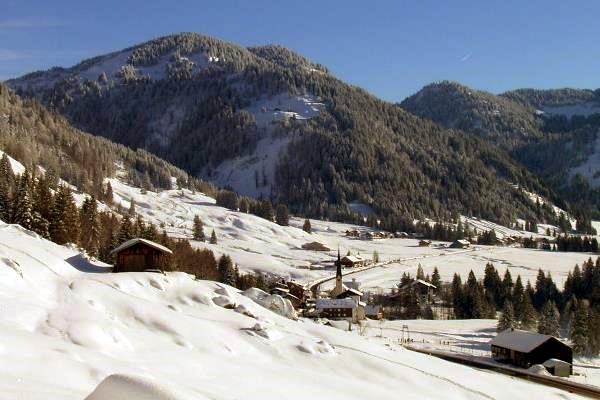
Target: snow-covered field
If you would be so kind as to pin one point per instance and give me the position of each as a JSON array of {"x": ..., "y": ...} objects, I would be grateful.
[
  {"x": 69, "y": 328},
  {"x": 259, "y": 245},
  {"x": 470, "y": 337}
]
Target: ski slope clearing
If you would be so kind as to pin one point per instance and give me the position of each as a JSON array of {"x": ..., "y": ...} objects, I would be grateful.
[
  {"x": 590, "y": 168},
  {"x": 253, "y": 174},
  {"x": 71, "y": 330}
]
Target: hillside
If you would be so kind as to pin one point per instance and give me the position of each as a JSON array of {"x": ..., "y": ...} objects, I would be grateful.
[
  {"x": 551, "y": 132},
  {"x": 490, "y": 116},
  {"x": 38, "y": 137},
  {"x": 154, "y": 336},
  {"x": 568, "y": 102},
  {"x": 270, "y": 123}
]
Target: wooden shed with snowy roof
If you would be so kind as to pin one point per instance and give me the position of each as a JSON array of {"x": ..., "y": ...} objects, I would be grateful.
[
  {"x": 524, "y": 349},
  {"x": 137, "y": 255},
  {"x": 353, "y": 261}
]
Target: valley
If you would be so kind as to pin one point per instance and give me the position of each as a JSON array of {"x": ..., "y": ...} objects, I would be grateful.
[{"x": 187, "y": 217}]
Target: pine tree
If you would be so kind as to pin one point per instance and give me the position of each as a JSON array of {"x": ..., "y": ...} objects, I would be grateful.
[
  {"x": 507, "y": 319},
  {"x": 22, "y": 209},
  {"x": 282, "y": 216},
  {"x": 265, "y": 210},
  {"x": 593, "y": 348},
  {"x": 306, "y": 227},
  {"x": 42, "y": 197},
  {"x": 493, "y": 284},
  {"x": 64, "y": 219},
  {"x": 436, "y": 280},
  {"x": 579, "y": 328},
  {"x": 549, "y": 320},
  {"x": 528, "y": 316},
  {"x": 226, "y": 270},
  {"x": 518, "y": 298},
  {"x": 420, "y": 273},
  {"x": 90, "y": 225},
  {"x": 507, "y": 286},
  {"x": 457, "y": 296},
  {"x": 6, "y": 184},
  {"x": 71, "y": 217},
  {"x": 126, "y": 230},
  {"x": 151, "y": 233},
  {"x": 213, "y": 237},
  {"x": 198, "y": 231}
]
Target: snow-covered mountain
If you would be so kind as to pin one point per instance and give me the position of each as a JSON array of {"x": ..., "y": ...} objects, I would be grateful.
[
  {"x": 266, "y": 121},
  {"x": 70, "y": 330}
]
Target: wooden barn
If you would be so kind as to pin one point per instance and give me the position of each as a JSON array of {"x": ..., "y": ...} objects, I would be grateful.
[
  {"x": 353, "y": 262},
  {"x": 524, "y": 349},
  {"x": 137, "y": 255},
  {"x": 460, "y": 244}
]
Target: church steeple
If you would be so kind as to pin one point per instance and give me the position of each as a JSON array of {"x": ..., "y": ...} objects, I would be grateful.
[
  {"x": 338, "y": 264},
  {"x": 339, "y": 286}
]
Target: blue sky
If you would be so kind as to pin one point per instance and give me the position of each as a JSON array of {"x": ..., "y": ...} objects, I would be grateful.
[{"x": 390, "y": 48}]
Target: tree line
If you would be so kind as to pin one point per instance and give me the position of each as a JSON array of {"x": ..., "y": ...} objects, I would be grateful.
[
  {"x": 573, "y": 312},
  {"x": 45, "y": 205}
]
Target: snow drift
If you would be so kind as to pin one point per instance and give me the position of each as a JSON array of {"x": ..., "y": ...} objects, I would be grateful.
[{"x": 70, "y": 330}]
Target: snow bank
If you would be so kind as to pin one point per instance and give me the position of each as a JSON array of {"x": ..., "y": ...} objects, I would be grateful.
[
  {"x": 539, "y": 369},
  {"x": 272, "y": 302},
  {"x": 127, "y": 387}
]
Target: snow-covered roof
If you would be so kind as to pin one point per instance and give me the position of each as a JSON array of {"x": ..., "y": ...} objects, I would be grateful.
[
  {"x": 518, "y": 340},
  {"x": 419, "y": 282},
  {"x": 463, "y": 242},
  {"x": 353, "y": 259},
  {"x": 352, "y": 291},
  {"x": 336, "y": 303},
  {"x": 553, "y": 362},
  {"x": 147, "y": 242}
]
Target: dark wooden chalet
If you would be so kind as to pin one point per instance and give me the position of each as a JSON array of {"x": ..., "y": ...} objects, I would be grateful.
[
  {"x": 137, "y": 255},
  {"x": 524, "y": 349},
  {"x": 460, "y": 244},
  {"x": 353, "y": 261}
]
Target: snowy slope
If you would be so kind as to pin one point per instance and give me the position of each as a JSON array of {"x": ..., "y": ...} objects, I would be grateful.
[
  {"x": 259, "y": 245},
  {"x": 69, "y": 331},
  {"x": 253, "y": 174},
  {"x": 590, "y": 168},
  {"x": 470, "y": 336}
]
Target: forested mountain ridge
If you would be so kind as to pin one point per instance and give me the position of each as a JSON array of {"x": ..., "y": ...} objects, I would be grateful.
[
  {"x": 202, "y": 103},
  {"x": 552, "y": 97},
  {"x": 492, "y": 117},
  {"x": 38, "y": 137},
  {"x": 552, "y": 132}
]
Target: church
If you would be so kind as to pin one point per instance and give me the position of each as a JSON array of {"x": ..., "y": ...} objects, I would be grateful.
[{"x": 343, "y": 302}]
